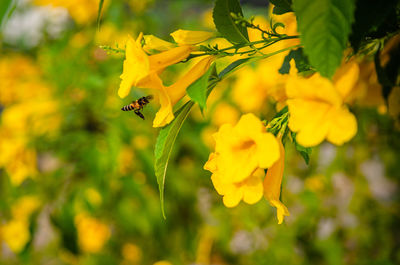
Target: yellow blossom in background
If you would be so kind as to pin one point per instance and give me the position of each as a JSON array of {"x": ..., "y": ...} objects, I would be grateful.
[
  {"x": 24, "y": 207},
  {"x": 315, "y": 183},
  {"x": 248, "y": 92},
  {"x": 368, "y": 90},
  {"x": 225, "y": 113},
  {"x": 241, "y": 153},
  {"x": 92, "y": 233},
  {"x": 191, "y": 37},
  {"x": 35, "y": 117},
  {"x": 15, "y": 234},
  {"x": 109, "y": 34},
  {"x": 256, "y": 84},
  {"x": 93, "y": 196},
  {"x": 163, "y": 262},
  {"x": 20, "y": 80},
  {"x": 18, "y": 160},
  {"x": 317, "y": 109},
  {"x": 131, "y": 253},
  {"x": 138, "y": 6},
  {"x": 272, "y": 184},
  {"x": 125, "y": 160}
]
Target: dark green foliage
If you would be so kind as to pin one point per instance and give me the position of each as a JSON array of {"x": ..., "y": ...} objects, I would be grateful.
[
  {"x": 225, "y": 24},
  {"x": 373, "y": 20},
  {"x": 281, "y": 6},
  {"x": 299, "y": 58}
]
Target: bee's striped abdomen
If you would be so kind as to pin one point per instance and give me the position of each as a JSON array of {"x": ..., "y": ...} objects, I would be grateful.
[{"x": 128, "y": 107}]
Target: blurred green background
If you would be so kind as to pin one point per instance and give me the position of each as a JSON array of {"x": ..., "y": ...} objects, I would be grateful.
[{"x": 77, "y": 184}]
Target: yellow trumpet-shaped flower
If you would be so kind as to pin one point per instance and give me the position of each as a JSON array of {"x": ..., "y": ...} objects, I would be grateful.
[
  {"x": 249, "y": 190},
  {"x": 138, "y": 65},
  {"x": 191, "y": 37},
  {"x": 317, "y": 109},
  {"x": 169, "y": 96},
  {"x": 156, "y": 44},
  {"x": 241, "y": 153},
  {"x": 272, "y": 185},
  {"x": 244, "y": 147}
]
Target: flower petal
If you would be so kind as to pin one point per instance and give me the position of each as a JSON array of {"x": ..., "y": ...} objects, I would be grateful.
[
  {"x": 342, "y": 126},
  {"x": 156, "y": 44},
  {"x": 346, "y": 78},
  {"x": 267, "y": 150},
  {"x": 177, "y": 90},
  {"x": 281, "y": 210},
  {"x": 136, "y": 67},
  {"x": 308, "y": 119},
  {"x": 233, "y": 198},
  {"x": 161, "y": 60},
  {"x": 191, "y": 37},
  {"x": 253, "y": 187}
]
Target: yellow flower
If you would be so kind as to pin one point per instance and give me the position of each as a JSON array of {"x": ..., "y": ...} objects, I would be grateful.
[
  {"x": 249, "y": 190},
  {"x": 24, "y": 207},
  {"x": 244, "y": 147},
  {"x": 162, "y": 262},
  {"x": 169, "y": 96},
  {"x": 156, "y": 44},
  {"x": 92, "y": 234},
  {"x": 18, "y": 160},
  {"x": 272, "y": 185},
  {"x": 241, "y": 153},
  {"x": 191, "y": 37},
  {"x": 131, "y": 253},
  {"x": 317, "y": 109},
  {"x": 138, "y": 66},
  {"x": 264, "y": 80},
  {"x": 225, "y": 113},
  {"x": 16, "y": 234}
]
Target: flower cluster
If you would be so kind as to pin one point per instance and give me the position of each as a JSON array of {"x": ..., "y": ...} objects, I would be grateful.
[
  {"x": 143, "y": 70},
  {"x": 242, "y": 152}
]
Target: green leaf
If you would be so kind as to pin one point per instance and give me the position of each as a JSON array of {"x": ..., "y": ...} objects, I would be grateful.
[
  {"x": 197, "y": 91},
  {"x": 281, "y": 6},
  {"x": 299, "y": 58},
  {"x": 6, "y": 8},
  {"x": 101, "y": 2},
  {"x": 324, "y": 26},
  {"x": 227, "y": 70},
  {"x": 304, "y": 151},
  {"x": 225, "y": 24},
  {"x": 165, "y": 142}
]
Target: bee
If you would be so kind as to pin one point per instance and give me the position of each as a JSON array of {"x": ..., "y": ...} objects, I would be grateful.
[{"x": 138, "y": 105}]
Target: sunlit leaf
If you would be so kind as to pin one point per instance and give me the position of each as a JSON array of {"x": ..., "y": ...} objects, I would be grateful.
[
  {"x": 324, "y": 26},
  {"x": 197, "y": 91},
  {"x": 164, "y": 144},
  {"x": 6, "y": 8}
]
